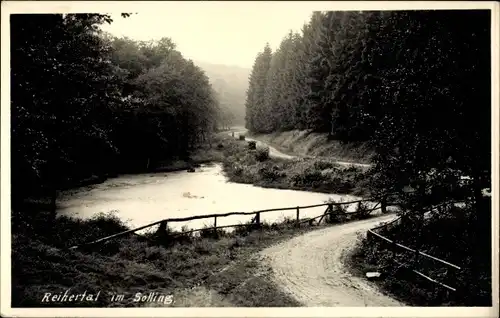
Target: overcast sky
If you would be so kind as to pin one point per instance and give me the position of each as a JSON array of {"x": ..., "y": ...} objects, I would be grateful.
[{"x": 217, "y": 33}]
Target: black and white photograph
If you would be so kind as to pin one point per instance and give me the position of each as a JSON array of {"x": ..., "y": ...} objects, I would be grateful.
[{"x": 249, "y": 155}]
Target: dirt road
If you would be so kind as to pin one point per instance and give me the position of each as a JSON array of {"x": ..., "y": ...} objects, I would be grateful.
[
  {"x": 273, "y": 152},
  {"x": 309, "y": 267}
]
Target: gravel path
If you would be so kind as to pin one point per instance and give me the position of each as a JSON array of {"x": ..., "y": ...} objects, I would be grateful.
[
  {"x": 273, "y": 152},
  {"x": 309, "y": 267}
]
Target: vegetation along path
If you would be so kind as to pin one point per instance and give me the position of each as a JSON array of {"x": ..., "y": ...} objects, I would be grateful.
[
  {"x": 309, "y": 267},
  {"x": 273, "y": 152}
]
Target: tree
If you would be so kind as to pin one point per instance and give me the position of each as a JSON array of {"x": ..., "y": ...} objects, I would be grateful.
[{"x": 254, "y": 104}]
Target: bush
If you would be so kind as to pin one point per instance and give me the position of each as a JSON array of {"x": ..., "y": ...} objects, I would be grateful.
[
  {"x": 272, "y": 173},
  {"x": 71, "y": 231},
  {"x": 209, "y": 232},
  {"x": 245, "y": 229},
  {"x": 241, "y": 137},
  {"x": 338, "y": 215},
  {"x": 312, "y": 177},
  {"x": 262, "y": 154},
  {"x": 362, "y": 211},
  {"x": 184, "y": 237},
  {"x": 252, "y": 145},
  {"x": 323, "y": 165}
]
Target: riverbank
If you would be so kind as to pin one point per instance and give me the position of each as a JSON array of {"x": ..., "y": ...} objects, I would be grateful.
[
  {"x": 305, "y": 143},
  {"x": 451, "y": 235},
  {"x": 244, "y": 165}
]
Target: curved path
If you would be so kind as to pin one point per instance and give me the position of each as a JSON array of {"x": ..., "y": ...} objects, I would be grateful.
[
  {"x": 309, "y": 267},
  {"x": 273, "y": 152}
]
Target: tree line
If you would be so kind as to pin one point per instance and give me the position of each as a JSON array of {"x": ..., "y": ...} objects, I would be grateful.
[
  {"x": 415, "y": 85},
  {"x": 84, "y": 103}
]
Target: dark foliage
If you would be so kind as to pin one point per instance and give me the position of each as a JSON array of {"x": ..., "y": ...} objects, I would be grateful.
[{"x": 86, "y": 105}]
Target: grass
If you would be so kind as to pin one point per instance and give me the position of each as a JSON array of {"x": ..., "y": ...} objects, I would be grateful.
[
  {"x": 307, "y": 143},
  {"x": 449, "y": 235},
  {"x": 208, "y": 269},
  {"x": 244, "y": 165}
]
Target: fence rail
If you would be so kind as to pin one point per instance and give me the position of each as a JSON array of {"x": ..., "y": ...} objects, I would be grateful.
[
  {"x": 381, "y": 204},
  {"x": 417, "y": 254},
  {"x": 255, "y": 220}
]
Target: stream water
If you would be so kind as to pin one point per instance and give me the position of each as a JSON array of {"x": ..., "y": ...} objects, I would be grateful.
[{"x": 146, "y": 198}]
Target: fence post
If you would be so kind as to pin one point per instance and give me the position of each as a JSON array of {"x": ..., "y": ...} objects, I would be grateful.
[
  {"x": 383, "y": 204},
  {"x": 330, "y": 211},
  {"x": 298, "y": 216},
  {"x": 324, "y": 214},
  {"x": 162, "y": 229},
  {"x": 257, "y": 219},
  {"x": 215, "y": 225}
]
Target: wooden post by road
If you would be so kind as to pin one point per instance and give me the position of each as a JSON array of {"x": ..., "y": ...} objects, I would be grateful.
[
  {"x": 325, "y": 213},
  {"x": 383, "y": 204},
  {"x": 162, "y": 229},
  {"x": 257, "y": 219},
  {"x": 298, "y": 216},
  {"x": 215, "y": 225}
]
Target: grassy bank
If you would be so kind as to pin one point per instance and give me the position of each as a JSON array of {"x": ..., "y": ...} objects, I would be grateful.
[
  {"x": 244, "y": 165},
  {"x": 450, "y": 235},
  {"x": 310, "y": 144},
  {"x": 208, "y": 269}
]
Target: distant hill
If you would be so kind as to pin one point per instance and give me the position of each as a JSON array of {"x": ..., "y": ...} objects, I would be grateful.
[{"x": 231, "y": 83}]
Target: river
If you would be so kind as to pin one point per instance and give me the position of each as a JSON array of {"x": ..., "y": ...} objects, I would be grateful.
[{"x": 146, "y": 198}]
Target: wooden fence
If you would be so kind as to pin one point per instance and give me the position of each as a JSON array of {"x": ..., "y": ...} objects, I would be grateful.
[
  {"x": 381, "y": 204},
  {"x": 256, "y": 220},
  {"x": 417, "y": 255}
]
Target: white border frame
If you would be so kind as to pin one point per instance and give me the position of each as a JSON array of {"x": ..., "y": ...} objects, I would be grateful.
[{"x": 9, "y": 7}]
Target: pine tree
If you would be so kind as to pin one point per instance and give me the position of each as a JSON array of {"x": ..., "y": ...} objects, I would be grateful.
[{"x": 256, "y": 116}]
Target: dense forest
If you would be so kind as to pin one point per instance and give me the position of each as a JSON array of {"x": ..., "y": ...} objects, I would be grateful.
[
  {"x": 415, "y": 85},
  {"x": 87, "y": 104}
]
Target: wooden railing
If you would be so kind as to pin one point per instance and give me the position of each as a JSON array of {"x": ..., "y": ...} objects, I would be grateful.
[
  {"x": 413, "y": 264},
  {"x": 255, "y": 221}
]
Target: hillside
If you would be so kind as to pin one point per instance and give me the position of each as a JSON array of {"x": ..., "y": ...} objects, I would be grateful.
[
  {"x": 306, "y": 143},
  {"x": 231, "y": 83}
]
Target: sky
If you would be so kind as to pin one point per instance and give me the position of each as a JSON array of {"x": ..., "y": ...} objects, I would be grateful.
[{"x": 215, "y": 32}]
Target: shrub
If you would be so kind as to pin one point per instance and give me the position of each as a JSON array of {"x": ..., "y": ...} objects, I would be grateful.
[
  {"x": 252, "y": 145},
  {"x": 362, "y": 211},
  {"x": 338, "y": 214},
  {"x": 184, "y": 237},
  {"x": 72, "y": 231},
  {"x": 262, "y": 154},
  {"x": 312, "y": 176},
  {"x": 241, "y": 137},
  {"x": 243, "y": 230},
  {"x": 237, "y": 170},
  {"x": 323, "y": 165},
  {"x": 271, "y": 173},
  {"x": 209, "y": 232}
]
